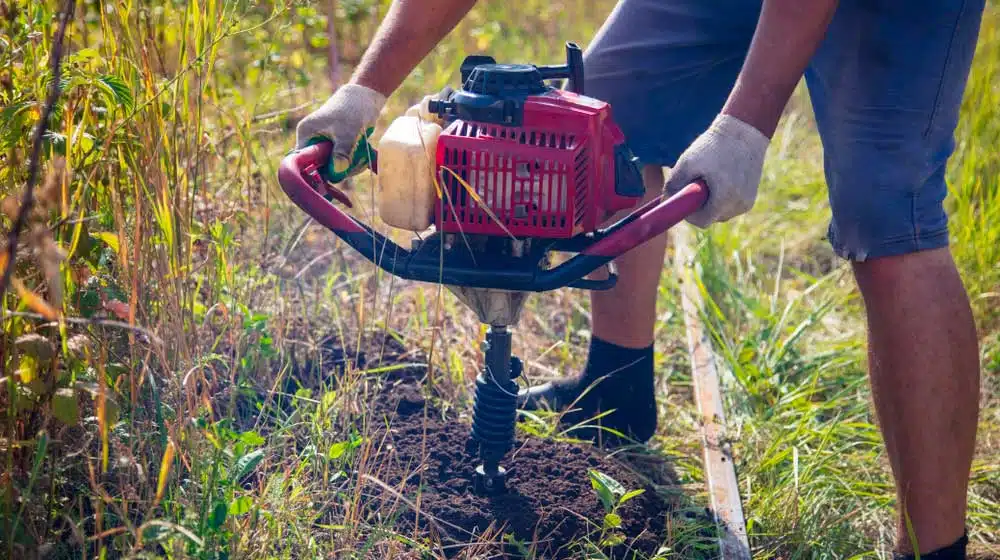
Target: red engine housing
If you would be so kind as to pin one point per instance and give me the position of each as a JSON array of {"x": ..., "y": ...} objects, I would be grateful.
[{"x": 553, "y": 176}]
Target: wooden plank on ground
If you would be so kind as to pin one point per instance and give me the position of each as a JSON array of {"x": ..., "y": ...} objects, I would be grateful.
[{"x": 720, "y": 473}]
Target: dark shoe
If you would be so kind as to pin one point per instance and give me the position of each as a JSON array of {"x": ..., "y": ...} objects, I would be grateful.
[
  {"x": 954, "y": 551},
  {"x": 617, "y": 381}
]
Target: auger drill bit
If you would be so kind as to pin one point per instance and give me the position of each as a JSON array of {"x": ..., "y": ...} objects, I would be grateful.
[{"x": 495, "y": 410}]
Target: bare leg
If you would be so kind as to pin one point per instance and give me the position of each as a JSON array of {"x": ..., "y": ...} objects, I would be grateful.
[
  {"x": 924, "y": 362},
  {"x": 626, "y": 314},
  {"x": 619, "y": 366}
]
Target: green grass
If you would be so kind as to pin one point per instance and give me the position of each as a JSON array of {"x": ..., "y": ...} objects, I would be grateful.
[
  {"x": 222, "y": 435},
  {"x": 787, "y": 320}
]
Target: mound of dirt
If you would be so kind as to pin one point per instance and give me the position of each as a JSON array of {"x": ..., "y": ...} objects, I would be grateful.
[{"x": 426, "y": 459}]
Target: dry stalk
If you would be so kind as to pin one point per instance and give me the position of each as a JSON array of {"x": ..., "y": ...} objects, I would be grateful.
[{"x": 36, "y": 147}]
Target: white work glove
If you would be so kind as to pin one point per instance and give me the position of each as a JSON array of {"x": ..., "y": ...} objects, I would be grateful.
[
  {"x": 729, "y": 157},
  {"x": 342, "y": 119}
]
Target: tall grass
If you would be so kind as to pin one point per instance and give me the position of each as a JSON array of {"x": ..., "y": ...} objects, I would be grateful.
[
  {"x": 157, "y": 169},
  {"x": 974, "y": 176},
  {"x": 165, "y": 383}
]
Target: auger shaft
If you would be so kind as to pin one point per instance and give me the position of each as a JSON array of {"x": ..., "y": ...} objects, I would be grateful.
[{"x": 495, "y": 409}]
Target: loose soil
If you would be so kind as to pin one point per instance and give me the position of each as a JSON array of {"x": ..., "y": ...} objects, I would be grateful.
[{"x": 426, "y": 457}]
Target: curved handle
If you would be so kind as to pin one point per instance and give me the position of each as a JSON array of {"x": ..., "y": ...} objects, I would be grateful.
[
  {"x": 650, "y": 220},
  {"x": 300, "y": 177},
  {"x": 643, "y": 224}
]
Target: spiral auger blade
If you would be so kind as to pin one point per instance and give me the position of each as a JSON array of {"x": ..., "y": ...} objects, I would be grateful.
[{"x": 495, "y": 410}]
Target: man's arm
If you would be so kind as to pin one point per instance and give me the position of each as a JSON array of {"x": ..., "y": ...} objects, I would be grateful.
[
  {"x": 729, "y": 156},
  {"x": 788, "y": 33},
  {"x": 409, "y": 31}
]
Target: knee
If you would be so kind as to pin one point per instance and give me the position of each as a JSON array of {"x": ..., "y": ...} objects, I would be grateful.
[
  {"x": 887, "y": 208},
  {"x": 887, "y": 275},
  {"x": 886, "y": 182}
]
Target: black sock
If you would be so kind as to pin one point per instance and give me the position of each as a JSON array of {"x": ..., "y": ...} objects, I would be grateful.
[
  {"x": 604, "y": 358},
  {"x": 954, "y": 551},
  {"x": 619, "y": 378}
]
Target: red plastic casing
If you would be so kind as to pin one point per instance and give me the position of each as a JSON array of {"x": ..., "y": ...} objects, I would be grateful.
[{"x": 551, "y": 177}]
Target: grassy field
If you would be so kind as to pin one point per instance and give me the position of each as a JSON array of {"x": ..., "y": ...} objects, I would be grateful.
[{"x": 167, "y": 306}]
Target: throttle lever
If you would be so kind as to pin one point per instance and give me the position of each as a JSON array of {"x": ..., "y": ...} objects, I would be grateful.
[{"x": 312, "y": 174}]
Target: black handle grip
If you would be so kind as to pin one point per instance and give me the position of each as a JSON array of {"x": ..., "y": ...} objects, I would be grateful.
[{"x": 572, "y": 70}]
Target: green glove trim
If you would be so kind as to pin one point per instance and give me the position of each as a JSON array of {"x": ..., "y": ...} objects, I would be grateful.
[{"x": 363, "y": 156}]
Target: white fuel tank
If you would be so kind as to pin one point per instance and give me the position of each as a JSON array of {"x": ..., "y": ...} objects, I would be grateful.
[{"x": 405, "y": 166}]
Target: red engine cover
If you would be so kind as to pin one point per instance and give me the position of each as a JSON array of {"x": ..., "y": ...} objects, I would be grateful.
[{"x": 552, "y": 177}]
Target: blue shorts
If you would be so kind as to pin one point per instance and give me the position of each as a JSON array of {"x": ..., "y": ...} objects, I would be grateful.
[{"x": 886, "y": 85}]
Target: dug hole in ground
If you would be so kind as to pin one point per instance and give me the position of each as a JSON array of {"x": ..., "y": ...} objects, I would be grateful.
[{"x": 414, "y": 476}]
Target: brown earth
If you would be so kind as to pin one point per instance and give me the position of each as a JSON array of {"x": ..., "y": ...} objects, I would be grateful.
[{"x": 422, "y": 461}]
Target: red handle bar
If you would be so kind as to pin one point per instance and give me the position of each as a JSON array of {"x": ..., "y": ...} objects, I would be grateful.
[{"x": 299, "y": 176}]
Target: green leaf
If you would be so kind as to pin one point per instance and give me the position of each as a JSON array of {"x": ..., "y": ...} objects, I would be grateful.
[
  {"x": 28, "y": 369},
  {"x": 112, "y": 291},
  {"x": 247, "y": 463},
  {"x": 329, "y": 399},
  {"x": 218, "y": 516},
  {"x": 611, "y": 484},
  {"x": 89, "y": 301},
  {"x": 612, "y": 521},
  {"x": 747, "y": 354},
  {"x": 240, "y": 505},
  {"x": 117, "y": 91},
  {"x": 252, "y": 439},
  {"x": 25, "y": 399},
  {"x": 109, "y": 239},
  {"x": 337, "y": 450},
  {"x": 14, "y": 121},
  {"x": 158, "y": 530},
  {"x": 67, "y": 82},
  {"x": 85, "y": 55},
  {"x": 65, "y": 406},
  {"x": 629, "y": 495},
  {"x": 599, "y": 483},
  {"x": 111, "y": 409},
  {"x": 84, "y": 145},
  {"x": 43, "y": 446},
  {"x": 319, "y": 41},
  {"x": 57, "y": 140},
  {"x": 613, "y": 540}
]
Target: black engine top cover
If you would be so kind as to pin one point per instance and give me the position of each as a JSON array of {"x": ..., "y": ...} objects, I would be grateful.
[
  {"x": 492, "y": 93},
  {"x": 495, "y": 93}
]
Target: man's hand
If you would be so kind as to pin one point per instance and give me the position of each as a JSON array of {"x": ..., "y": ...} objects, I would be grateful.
[
  {"x": 728, "y": 157},
  {"x": 410, "y": 30},
  {"x": 730, "y": 154},
  {"x": 341, "y": 119}
]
